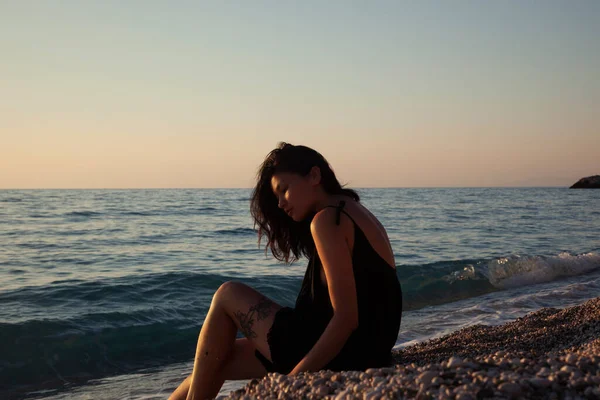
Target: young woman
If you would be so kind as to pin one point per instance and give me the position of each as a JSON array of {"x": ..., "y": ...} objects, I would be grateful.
[{"x": 347, "y": 314}]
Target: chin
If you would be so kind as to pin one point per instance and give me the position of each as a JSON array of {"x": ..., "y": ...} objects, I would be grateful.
[{"x": 296, "y": 217}]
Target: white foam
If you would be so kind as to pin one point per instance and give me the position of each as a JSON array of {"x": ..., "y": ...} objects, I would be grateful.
[
  {"x": 467, "y": 272},
  {"x": 515, "y": 271}
]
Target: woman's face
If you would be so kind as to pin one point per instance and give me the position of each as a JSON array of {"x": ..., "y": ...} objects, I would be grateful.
[{"x": 294, "y": 194}]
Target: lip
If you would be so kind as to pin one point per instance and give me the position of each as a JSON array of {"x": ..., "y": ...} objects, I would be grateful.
[{"x": 288, "y": 211}]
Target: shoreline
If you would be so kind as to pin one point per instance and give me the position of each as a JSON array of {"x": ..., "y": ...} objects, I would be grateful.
[{"x": 547, "y": 354}]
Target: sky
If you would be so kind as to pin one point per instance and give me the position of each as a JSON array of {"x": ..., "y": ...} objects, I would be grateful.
[{"x": 188, "y": 94}]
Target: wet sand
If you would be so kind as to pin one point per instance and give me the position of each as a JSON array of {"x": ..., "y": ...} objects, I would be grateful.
[{"x": 548, "y": 354}]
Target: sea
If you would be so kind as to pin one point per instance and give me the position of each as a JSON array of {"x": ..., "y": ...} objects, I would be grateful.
[{"x": 103, "y": 292}]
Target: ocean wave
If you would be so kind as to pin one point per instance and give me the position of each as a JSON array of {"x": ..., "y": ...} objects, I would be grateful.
[
  {"x": 41, "y": 352},
  {"x": 515, "y": 270},
  {"x": 71, "y": 299},
  {"x": 40, "y": 245},
  {"x": 16, "y": 271},
  {"x": 75, "y": 330},
  {"x": 236, "y": 231},
  {"x": 83, "y": 214},
  {"x": 440, "y": 283},
  {"x": 126, "y": 291},
  {"x": 82, "y": 232},
  {"x": 41, "y": 216},
  {"x": 444, "y": 282},
  {"x": 168, "y": 211},
  {"x": 138, "y": 213}
]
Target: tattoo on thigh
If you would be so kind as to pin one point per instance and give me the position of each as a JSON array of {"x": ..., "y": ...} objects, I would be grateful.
[{"x": 260, "y": 311}]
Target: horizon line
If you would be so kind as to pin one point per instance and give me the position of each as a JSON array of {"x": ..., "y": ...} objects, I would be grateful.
[{"x": 240, "y": 188}]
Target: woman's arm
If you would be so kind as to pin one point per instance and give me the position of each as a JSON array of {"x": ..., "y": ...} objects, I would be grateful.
[
  {"x": 327, "y": 347},
  {"x": 335, "y": 255}
]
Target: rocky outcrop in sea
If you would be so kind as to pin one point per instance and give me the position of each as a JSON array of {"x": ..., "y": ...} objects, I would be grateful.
[{"x": 590, "y": 182}]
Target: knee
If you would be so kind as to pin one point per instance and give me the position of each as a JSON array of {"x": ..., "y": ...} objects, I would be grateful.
[{"x": 227, "y": 291}]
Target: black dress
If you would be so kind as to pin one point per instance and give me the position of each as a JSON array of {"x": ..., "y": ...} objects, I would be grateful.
[{"x": 295, "y": 330}]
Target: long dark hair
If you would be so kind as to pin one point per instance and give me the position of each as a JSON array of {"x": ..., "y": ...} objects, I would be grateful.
[{"x": 285, "y": 236}]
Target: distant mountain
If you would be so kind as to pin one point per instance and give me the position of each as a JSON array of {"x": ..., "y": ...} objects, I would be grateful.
[{"x": 590, "y": 182}]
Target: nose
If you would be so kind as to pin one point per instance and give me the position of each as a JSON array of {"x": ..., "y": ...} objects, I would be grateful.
[{"x": 281, "y": 202}]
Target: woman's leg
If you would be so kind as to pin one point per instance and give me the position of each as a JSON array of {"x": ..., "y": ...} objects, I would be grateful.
[
  {"x": 234, "y": 306},
  {"x": 242, "y": 364}
]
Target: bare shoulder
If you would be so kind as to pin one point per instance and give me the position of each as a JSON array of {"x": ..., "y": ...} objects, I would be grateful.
[
  {"x": 324, "y": 224},
  {"x": 323, "y": 217},
  {"x": 324, "y": 221}
]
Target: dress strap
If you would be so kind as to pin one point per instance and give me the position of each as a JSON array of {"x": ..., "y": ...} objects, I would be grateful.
[{"x": 340, "y": 210}]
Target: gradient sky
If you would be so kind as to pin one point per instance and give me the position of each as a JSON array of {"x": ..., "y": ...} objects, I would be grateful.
[{"x": 158, "y": 94}]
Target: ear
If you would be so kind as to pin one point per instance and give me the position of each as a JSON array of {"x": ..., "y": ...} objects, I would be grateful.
[{"x": 314, "y": 175}]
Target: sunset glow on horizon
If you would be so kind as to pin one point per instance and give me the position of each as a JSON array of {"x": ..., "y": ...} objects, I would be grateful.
[{"x": 186, "y": 95}]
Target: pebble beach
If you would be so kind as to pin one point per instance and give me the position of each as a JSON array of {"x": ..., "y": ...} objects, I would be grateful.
[{"x": 548, "y": 354}]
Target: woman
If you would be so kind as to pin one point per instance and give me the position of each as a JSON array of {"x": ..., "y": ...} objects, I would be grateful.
[{"x": 347, "y": 314}]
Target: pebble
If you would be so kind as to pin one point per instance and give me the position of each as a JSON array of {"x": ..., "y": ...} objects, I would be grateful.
[
  {"x": 511, "y": 389},
  {"x": 543, "y": 372},
  {"x": 471, "y": 365},
  {"x": 426, "y": 377},
  {"x": 372, "y": 395},
  {"x": 321, "y": 390},
  {"x": 437, "y": 381},
  {"x": 567, "y": 368},
  {"x": 343, "y": 394},
  {"x": 493, "y": 373},
  {"x": 337, "y": 378},
  {"x": 455, "y": 362},
  {"x": 540, "y": 382},
  {"x": 298, "y": 384}
]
